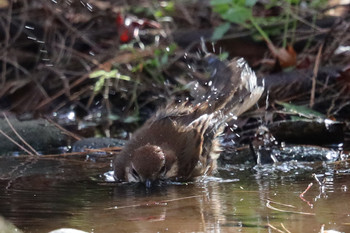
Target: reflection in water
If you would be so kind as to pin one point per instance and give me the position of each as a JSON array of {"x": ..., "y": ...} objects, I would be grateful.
[{"x": 74, "y": 193}]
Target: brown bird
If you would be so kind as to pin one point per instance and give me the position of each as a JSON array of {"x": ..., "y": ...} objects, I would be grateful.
[{"x": 180, "y": 142}]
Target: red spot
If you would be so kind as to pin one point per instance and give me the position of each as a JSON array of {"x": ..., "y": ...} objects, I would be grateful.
[
  {"x": 124, "y": 36},
  {"x": 119, "y": 20}
]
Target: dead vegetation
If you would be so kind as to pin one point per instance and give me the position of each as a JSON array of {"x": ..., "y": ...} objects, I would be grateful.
[{"x": 114, "y": 62}]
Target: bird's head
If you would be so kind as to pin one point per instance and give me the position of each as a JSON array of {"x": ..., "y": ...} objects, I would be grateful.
[{"x": 150, "y": 163}]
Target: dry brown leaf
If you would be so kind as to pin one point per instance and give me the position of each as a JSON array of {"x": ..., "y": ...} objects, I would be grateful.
[{"x": 287, "y": 57}]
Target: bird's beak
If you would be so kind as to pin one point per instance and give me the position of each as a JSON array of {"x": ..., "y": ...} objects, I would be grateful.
[{"x": 148, "y": 183}]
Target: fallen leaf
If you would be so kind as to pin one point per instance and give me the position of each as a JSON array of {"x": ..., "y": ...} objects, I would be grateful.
[{"x": 287, "y": 57}]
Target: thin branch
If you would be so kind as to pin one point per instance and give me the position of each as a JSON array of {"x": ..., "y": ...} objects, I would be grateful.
[
  {"x": 314, "y": 76},
  {"x": 19, "y": 136},
  {"x": 285, "y": 228},
  {"x": 268, "y": 205},
  {"x": 153, "y": 203},
  {"x": 275, "y": 228},
  {"x": 16, "y": 143},
  {"x": 73, "y": 135}
]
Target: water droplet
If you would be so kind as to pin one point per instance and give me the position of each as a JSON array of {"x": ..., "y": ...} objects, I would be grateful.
[
  {"x": 344, "y": 188},
  {"x": 89, "y": 7},
  {"x": 71, "y": 115},
  {"x": 283, "y": 145},
  {"x": 29, "y": 27},
  {"x": 31, "y": 38}
]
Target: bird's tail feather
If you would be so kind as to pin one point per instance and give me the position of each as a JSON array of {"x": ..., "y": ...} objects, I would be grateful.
[{"x": 231, "y": 90}]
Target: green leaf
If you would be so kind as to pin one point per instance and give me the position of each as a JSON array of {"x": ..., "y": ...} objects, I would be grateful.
[
  {"x": 170, "y": 6},
  {"x": 113, "y": 117},
  {"x": 301, "y": 110},
  {"x": 158, "y": 14},
  {"x": 111, "y": 74},
  {"x": 172, "y": 47},
  {"x": 237, "y": 14},
  {"x": 250, "y": 3},
  {"x": 99, "y": 84},
  {"x": 164, "y": 59},
  {"x": 219, "y": 2},
  {"x": 223, "y": 56},
  {"x": 131, "y": 119},
  {"x": 297, "y": 118},
  {"x": 102, "y": 75},
  {"x": 97, "y": 74},
  {"x": 318, "y": 4},
  {"x": 220, "y": 31},
  {"x": 221, "y": 9},
  {"x": 123, "y": 77},
  {"x": 157, "y": 52}
]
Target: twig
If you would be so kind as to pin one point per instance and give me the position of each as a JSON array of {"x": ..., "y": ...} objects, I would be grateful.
[
  {"x": 285, "y": 228},
  {"x": 282, "y": 204},
  {"x": 119, "y": 58},
  {"x": 275, "y": 228},
  {"x": 153, "y": 203},
  {"x": 16, "y": 143},
  {"x": 286, "y": 211},
  {"x": 316, "y": 178},
  {"x": 314, "y": 76},
  {"x": 308, "y": 187},
  {"x": 19, "y": 136},
  {"x": 73, "y": 135},
  {"x": 110, "y": 150},
  {"x": 301, "y": 196}
]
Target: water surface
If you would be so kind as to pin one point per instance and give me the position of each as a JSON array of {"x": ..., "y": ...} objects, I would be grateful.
[{"x": 49, "y": 193}]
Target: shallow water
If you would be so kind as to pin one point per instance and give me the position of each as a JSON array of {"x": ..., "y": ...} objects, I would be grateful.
[{"x": 73, "y": 192}]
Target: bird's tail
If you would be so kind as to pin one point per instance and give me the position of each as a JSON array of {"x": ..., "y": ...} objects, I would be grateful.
[{"x": 231, "y": 89}]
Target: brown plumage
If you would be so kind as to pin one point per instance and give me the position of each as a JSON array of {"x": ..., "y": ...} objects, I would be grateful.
[{"x": 180, "y": 142}]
